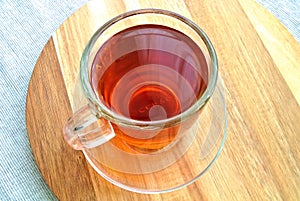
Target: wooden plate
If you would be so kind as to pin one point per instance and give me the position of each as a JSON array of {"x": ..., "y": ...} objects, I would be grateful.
[{"x": 259, "y": 63}]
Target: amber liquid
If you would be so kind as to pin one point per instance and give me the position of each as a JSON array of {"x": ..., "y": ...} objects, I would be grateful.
[{"x": 148, "y": 73}]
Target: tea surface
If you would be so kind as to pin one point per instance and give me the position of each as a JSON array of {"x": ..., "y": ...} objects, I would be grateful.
[{"x": 149, "y": 72}]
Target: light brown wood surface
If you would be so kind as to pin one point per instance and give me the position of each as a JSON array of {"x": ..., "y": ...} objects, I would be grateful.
[{"x": 260, "y": 64}]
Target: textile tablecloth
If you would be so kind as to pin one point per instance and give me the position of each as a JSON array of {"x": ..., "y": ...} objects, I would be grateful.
[{"x": 25, "y": 27}]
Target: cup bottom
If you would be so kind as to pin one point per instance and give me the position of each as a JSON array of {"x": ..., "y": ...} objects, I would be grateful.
[{"x": 180, "y": 167}]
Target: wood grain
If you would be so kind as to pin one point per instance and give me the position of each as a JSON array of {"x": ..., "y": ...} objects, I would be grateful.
[{"x": 259, "y": 63}]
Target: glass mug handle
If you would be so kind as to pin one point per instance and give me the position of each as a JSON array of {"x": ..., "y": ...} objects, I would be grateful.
[{"x": 84, "y": 129}]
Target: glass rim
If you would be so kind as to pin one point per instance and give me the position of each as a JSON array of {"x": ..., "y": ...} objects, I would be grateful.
[{"x": 110, "y": 115}]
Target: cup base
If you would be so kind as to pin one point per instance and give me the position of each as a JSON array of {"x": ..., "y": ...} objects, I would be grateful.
[{"x": 177, "y": 168}]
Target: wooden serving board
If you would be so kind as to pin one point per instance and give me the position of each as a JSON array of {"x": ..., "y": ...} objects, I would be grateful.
[{"x": 259, "y": 62}]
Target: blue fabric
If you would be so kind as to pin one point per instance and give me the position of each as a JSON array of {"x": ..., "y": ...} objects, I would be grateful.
[
  {"x": 25, "y": 27},
  {"x": 287, "y": 11}
]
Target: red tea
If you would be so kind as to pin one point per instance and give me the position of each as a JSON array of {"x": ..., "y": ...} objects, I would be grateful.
[{"x": 148, "y": 73}]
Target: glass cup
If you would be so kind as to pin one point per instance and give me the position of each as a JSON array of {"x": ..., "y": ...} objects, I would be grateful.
[{"x": 154, "y": 122}]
